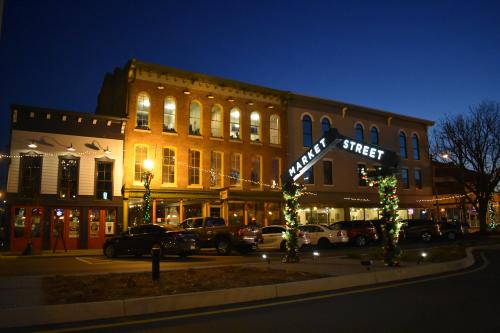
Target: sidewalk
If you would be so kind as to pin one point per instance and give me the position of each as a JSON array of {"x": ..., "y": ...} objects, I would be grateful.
[
  {"x": 49, "y": 253},
  {"x": 24, "y": 295}
]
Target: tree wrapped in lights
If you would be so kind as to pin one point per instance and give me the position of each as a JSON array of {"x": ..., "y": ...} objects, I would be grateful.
[
  {"x": 291, "y": 193},
  {"x": 491, "y": 215},
  {"x": 147, "y": 208},
  {"x": 391, "y": 226}
]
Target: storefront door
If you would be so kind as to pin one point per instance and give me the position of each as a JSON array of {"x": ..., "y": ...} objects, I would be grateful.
[
  {"x": 65, "y": 226},
  {"x": 101, "y": 224},
  {"x": 26, "y": 226}
]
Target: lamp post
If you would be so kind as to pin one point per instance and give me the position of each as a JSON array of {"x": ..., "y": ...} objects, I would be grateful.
[{"x": 148, "y": 176}]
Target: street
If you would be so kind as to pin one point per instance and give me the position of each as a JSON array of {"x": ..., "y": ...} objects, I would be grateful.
[{"x": 456, "y": 302}]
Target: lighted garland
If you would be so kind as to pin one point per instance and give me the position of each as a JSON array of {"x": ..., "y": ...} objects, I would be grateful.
[
  {"x": 291, "y": 193},
  {"x": 491, "y": 212},
  {"x": 391, "y": 226},
  {"x": 147, "y": 208}
]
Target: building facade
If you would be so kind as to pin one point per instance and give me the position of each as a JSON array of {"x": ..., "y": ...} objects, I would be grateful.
[
  {"x": 65, "y": 178},
  {"x": 217, "y": 146},
  {"x": 335, "y": 188}
]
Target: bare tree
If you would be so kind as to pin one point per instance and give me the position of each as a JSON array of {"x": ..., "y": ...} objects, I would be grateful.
[{"x": 471, "y": 143}]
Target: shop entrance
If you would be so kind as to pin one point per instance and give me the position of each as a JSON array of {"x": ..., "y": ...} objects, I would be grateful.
[
  {"x": 65, "y": 225},
  {"x": 26, "y": 226},
  {"x": 101, "y": 224}
]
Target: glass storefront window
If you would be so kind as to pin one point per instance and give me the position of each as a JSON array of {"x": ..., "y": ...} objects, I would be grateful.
[
  {"x": 371, "y": 214},
  {"x": 94, "y": 223},
  {"x": 356, "y": 213},
  {"x": 236, "y": 216},
  {"x": 256, "y": 213},
  {"x": 274, "y": 214},
  {"x": 36, "y": 222},
  {"x": 215, "y": 211},
  {"x": 74, "y": 223},
  {"x": 134, "y": 212},
  {"x": 167, "y": 212},
  {"x": 192, "y": 210},
  {"x": 19, "y": 222},
  {"x": 110, "y": 221},
  {"x": 403, "y": 214}
]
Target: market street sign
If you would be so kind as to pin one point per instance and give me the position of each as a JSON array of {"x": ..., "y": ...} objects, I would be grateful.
[{"x": 386, "y": 158}]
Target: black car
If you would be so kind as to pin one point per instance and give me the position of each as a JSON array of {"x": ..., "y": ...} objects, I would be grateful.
[
  {"x": 454, "y": 229},
  {"x": 378, "y": 227},
  {"x": 422, "y": 229},
  {"x": 140, "y": 240}
]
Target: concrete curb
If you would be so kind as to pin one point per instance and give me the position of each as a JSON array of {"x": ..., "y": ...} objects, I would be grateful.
[{"x": 76, "y": 312}]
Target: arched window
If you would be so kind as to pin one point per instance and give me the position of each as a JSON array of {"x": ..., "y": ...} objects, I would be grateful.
[
  {"x": 195, "y": 118},
  {"x": 143, "y": 107},
  {"x": 359, "y": 133},
  {"x": 325, "y": 125},
  {"x": 307, "y": 131},
  {"x": 254, "y": 126},
  {"x": 274, "y": 129},
  {"x": 216, "y": 121},
  {"x": 416, "y": 149},
  {"x": 234, "y": 124},
  {"x": 169, "y": 109},
  {"x": 402, "y": 145},
  {"x": 374, "y": 135}
]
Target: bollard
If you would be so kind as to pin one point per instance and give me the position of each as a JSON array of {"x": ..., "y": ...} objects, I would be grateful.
[{"x": 155, "y": 260}]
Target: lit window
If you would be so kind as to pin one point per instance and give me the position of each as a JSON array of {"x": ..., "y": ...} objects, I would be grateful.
[
  {"x": 275, "y": 172},
  {"x": 327, "y": 173},
  {"x": 141, "y": 154},
  {"x": 255, "y": 174},
  {"x": 31, "y": 175},
  {"x": 254, "y": 126},
  {"x": 374, "y": 135},
  {"x": 216, "y": 171},
  {"x": 234, "y": 124},
  {"x": 309, "y": 176},
  {"x": 169, "y": 110},
  {"x": 404, "y": 178},
  {"x": 402, "y": 145},
  {"x": 359, "y": 133},
  {"x": 418, "y": 178},
  {"x": 168, "y": 167},
  {"x": 416, "y": 149},
  {"x": 195, "y": 118},
  {"x": 143, "y": 107},
  {"x": 274, "y": 129},
  {"x": 104, "y": 180},
  {"x": 325, "y": 126},
  {"x": 68, "y": 177},
  {"x": 307, "y": 131},
  {"x": 216, "y": 121},
  {"x": 235, "y": 175},
  {"x": 194, "y": 167},
  {"x": 361, "y": 179}
]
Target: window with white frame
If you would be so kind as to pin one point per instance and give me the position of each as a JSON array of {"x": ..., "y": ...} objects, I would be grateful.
[
  {"x": 255, "y": 126},
  {"x": 274, "y": 129},
  {"x": 255, "y": 172},
  {"x": 168, "y": 165},
  {"x": 235, "y": 174},
  {"x": 234, "y": 124},
  {"x": 195, "y": 118},
  {"x": 141, "y": 154},
  {"x": 216, "y": 171},
  {"x": 216, "y": 121},
  {"x": 194, "y": 167},
  {"x": 169, "y": 111},
  {"x": 143, "y": 108}
]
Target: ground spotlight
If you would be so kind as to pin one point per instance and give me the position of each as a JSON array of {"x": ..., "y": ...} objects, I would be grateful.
[{"x": 266, "y": 258}]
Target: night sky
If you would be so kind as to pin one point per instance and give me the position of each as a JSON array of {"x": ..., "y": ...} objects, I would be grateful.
[{"x": 422, "y": 59}]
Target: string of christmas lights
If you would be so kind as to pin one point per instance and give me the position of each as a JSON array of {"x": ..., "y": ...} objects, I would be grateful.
[{"x": 457, "y": 196}]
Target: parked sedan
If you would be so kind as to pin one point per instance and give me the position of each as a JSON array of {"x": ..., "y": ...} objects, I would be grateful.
[
  {"x": 324, "y": 237},
  {"x": 452, "y": 230},
  {"x": 140, "y": 240},
  {"x": 425, "y": 230},
  {"x": 272, "y": 238},
  {"x": 359, "y": 232}
]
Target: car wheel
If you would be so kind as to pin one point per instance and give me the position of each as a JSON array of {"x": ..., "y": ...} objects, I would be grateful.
[
  {"x": 110, "y": 251},
  {"x": 283, "y": 246},
  {"x": 223, "y": 247},
  {"x": 426, "y": 237},
  {"x": 324, "y": 243},
  {"x": 451, "y": 236},
  {"x": 360, "y": 241}
]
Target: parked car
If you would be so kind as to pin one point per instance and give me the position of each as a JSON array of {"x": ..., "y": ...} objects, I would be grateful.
[
  {"x": 454, "y": 229},
  {"x": 359, "y": 232},
  {"x": 425, "y": 230},
  {"x": 213, "y": 232},
  {"x": 140, "y": 240},
  {"x": 324, "y": 237},
  {"x": 272, "y": 238}
]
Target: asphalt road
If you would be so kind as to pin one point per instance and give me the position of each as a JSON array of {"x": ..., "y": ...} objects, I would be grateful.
[
  {"x": 466, "y": 301},
  {"x": 99, "y": 264}
]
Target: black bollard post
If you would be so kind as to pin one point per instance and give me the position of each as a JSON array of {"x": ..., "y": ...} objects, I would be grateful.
[{"x": 155, "y": 269}]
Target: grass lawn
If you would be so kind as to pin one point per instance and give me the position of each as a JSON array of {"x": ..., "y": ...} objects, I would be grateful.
[{"x": 89, "y": 288}]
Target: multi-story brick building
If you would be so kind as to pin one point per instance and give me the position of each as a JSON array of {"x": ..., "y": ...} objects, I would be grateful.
[
  {"x": 217, "y": 146},
  {"x": 337, "y": 191},
  {"x": 66, "y": 170}
]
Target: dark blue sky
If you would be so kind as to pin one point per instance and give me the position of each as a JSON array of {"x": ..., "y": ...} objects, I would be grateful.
[{"x": 423, "y": 59}]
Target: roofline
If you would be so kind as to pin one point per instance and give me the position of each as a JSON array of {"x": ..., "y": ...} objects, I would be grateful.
[
  {"x": 206, "y": 78},
  {"x": 61, "y": 111},
  {"x": 331, "y": 102}
]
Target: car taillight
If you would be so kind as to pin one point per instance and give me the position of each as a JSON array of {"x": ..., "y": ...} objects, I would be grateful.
[
  {"x": 240, "y": 232},
  {"x": 340, "y": 233},
  {"x": 301, "y": 234}
]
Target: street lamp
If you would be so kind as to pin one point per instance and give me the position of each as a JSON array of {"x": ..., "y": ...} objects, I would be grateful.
[{"x": 148, "y": 176}]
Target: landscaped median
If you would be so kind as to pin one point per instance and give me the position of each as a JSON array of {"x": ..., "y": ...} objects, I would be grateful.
[{"x": 120, "y": 295}]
